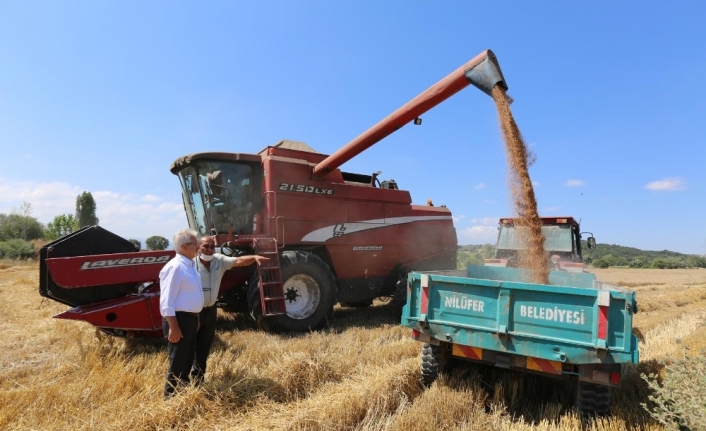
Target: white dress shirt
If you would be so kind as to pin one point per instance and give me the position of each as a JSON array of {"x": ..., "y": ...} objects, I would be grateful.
[
  {"x": 211, "y": 277},
  {"x": 180, "y": 287}
]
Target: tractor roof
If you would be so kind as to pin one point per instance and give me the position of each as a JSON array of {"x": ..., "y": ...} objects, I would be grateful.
[{"x": 545, "y": 220}]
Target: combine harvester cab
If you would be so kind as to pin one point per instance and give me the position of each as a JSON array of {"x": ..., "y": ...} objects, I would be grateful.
[
  {"x": 562, "y": 243},
  {"x": 574, "y": 328}
]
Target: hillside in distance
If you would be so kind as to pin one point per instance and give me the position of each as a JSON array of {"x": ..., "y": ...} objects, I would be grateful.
[{"x": 603, "y": 256}]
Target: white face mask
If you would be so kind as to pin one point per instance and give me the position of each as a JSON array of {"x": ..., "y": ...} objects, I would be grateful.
[{"x": 206, "y": 257}]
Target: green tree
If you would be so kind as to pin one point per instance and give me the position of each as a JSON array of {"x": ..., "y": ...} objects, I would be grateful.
[
  {"x": 138, "y": 244},
  {"x": 488, "y": 251},
  {"x": 61, "y": 226},
  {"x": 694, "y": 261},
  {"x": 609, "y": 259},
  {"x": 601, "y": 263},
  {"x": 620, "y": 261},
  {"x": 20, "y": 224},
  {"x": 86, "y": 210},
  {"x": 16, "y": 249},
  {"x": 157, "y": 242},
  {"x": 636, "y": 263}
]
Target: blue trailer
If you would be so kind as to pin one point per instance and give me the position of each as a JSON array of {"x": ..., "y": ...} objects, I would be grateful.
[{"x": 574, "y": 327}]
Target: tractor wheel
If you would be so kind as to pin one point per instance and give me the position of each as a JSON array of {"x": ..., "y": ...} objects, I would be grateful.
[
  {"x": 592, "y": 399},
  {"x": 309, "y": 292},
  {"x": 435, "y": 360}
]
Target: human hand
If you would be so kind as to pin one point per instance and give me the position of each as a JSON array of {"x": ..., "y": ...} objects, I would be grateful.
[{"x": 174, "y": 334}]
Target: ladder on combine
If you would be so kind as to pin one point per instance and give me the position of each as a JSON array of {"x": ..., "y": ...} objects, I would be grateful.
[{"x": 270, "y": 275}]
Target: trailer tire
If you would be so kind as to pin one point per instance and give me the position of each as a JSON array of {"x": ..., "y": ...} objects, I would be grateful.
[
  {"x": 435, "y": 360},
  {"x": 309, "y": 291},
  {"x": 593, "y": 399}
]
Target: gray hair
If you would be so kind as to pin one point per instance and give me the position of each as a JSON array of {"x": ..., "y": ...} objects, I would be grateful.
[{"x": 183, "y": 237}]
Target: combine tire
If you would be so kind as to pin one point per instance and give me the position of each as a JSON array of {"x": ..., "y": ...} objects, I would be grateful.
[
  {"x": 255, "y": 306},
  {"x": 309, "y": 291},
  {"x": 435, "y": 360},
  {"x": 592, "y": 399},
  {"x": 357, "y": 304},
  {"x": 399, "y": 297}
]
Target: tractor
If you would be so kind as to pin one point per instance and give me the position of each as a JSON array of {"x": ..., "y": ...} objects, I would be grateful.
[{"x": 562, "y": 242}]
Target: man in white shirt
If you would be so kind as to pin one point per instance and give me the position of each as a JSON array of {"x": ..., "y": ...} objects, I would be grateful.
[
  {"x": 180, "y": 302},
  {"x": 211, "y": 266}
]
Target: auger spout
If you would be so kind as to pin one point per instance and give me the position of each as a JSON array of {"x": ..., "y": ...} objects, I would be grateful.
[{"x": 483, "y": 71}]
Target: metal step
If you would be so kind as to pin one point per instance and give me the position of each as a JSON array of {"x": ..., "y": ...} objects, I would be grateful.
[{"x": 270, "y": 275}]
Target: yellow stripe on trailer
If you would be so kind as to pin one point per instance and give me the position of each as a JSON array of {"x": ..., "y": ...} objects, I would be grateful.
[
  {"x": 543, "y": 365},
  {"x": 468, "y": 352}
]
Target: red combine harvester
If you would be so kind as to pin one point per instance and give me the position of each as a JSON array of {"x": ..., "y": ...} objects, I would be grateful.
[{"x": 331, "y": 236}]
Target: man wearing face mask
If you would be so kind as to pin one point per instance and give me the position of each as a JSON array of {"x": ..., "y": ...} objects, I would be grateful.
[{"x": 211, "y": 266}]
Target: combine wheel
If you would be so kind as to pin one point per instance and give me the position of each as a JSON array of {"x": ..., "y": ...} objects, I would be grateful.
[
  {"x": 255, "y": 306},
  {"x": 435, "y": 360},
  {"x": 399, "y": 297},
  {"x": 592, "y": 398},
  {"x": 309, "y": 292},
  {"x": 361, "y": 304}
]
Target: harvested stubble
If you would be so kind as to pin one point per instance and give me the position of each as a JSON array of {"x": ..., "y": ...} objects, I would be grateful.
[
  {"x": 528, "y": 223},
  {"x": 362, "y": 374}
]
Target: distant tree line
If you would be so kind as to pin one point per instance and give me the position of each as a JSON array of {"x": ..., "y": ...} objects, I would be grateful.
[
  {"x": 607, "y": 255},
  {"x": 603, "y": 256},
  {"x": 19, "y": 229}
]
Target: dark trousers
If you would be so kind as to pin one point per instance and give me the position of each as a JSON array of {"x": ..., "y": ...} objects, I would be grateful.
[
  {"x": 181, "y": 353},
  {"x": 204, "y": 340}
]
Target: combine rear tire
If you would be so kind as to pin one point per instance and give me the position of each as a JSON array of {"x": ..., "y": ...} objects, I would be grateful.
[
  {"x": 592, "y": 399},
  {"x": 435, "y": 360},
  {"x": 309, "y": 291}
]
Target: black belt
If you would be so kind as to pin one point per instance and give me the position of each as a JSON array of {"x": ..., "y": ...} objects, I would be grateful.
[{"x": 188, "y": 313}]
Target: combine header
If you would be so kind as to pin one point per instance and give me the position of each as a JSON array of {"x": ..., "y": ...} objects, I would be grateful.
[{"x": 333, "y": 236}]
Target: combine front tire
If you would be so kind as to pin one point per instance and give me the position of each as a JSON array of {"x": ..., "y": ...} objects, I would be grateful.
[
  {"x": 399, "y": 297},
  {"x": 592, "y": 399},
  {"x": 435, "y": 360},
  {"x": 309, "y": 292}
]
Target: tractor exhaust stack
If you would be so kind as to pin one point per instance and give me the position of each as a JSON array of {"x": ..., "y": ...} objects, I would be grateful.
[{"x": 483, "y": 71}]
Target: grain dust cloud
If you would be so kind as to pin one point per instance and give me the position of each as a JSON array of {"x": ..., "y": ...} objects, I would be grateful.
[{"x": 528, "y": 224}]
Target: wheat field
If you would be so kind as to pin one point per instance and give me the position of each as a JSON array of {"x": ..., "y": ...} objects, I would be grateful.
[{"x": 362, "y": 373}]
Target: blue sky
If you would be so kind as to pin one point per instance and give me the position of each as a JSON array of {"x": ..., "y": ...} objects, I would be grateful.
[{"x": 103, "y": 96}]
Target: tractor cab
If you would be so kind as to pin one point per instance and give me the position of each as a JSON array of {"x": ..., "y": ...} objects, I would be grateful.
[
  {"x": 221, "y": 191},
  {"x": 562, "y": 243}
]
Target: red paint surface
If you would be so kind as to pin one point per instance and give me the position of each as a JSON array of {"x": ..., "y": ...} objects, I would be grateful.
[{"x": 602, "y": 322}]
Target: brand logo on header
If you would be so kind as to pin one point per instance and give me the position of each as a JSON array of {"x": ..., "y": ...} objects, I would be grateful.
[{"x": 135, "y": 261}]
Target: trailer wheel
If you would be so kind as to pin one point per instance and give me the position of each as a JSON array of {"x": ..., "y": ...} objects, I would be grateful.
[
  {"x": 435, "y": 360},
  {"x": 592, "y": 398},
  {"x": 309, "y": 292}
]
